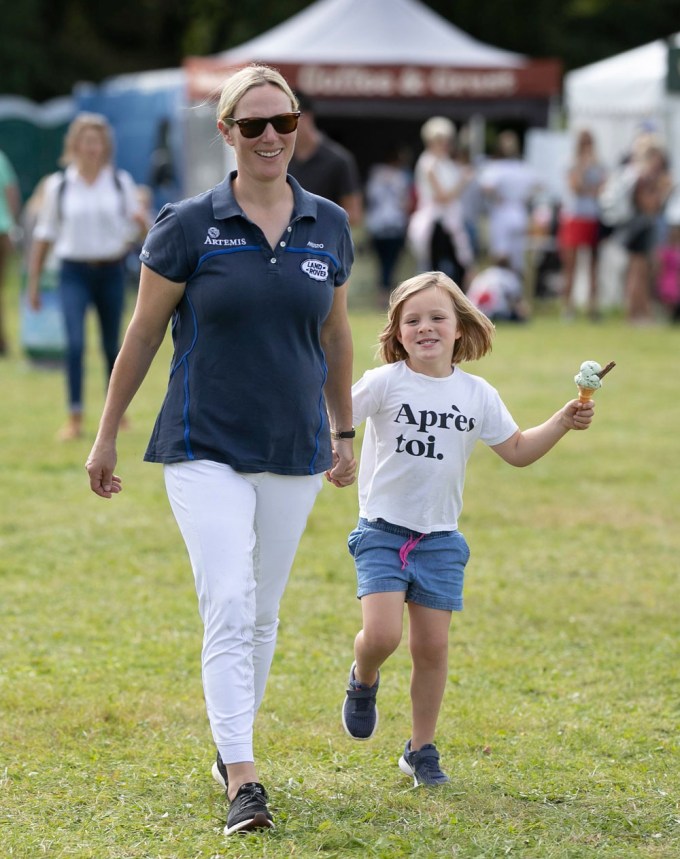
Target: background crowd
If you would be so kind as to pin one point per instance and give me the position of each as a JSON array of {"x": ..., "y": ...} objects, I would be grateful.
[
  {"x": 487, "y": 221},
  {"x": 489, "y": 224}
]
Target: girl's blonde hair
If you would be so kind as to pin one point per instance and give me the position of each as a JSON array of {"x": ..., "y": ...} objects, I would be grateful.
[
  {"x": 85, "y": 122},
  {"x": 245, "y": 79},
  {"x": 477, "y": 329}
]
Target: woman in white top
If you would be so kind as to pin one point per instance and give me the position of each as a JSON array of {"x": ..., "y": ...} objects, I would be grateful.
[
  {"x": 91, "y": 213},
  {"x": 510, "y": 184},
  {"x": 436, "y": 232}
]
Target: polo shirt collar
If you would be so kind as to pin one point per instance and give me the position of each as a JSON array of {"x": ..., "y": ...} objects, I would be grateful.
[{"x": 225, "y": 205}]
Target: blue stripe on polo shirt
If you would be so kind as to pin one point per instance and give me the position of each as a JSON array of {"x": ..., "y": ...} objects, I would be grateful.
[
  {"x": 183, "y": 357},
  {"x": 314, "y": 252},
  {"x": 322, "y": 412},
  {"x": 183, "y": 362},
  {"x": 185, "y": 414},
  {"x": 221, "y": 251}
]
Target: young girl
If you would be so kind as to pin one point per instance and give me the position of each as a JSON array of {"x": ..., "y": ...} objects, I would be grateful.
[{"x": 424, "y": 415}]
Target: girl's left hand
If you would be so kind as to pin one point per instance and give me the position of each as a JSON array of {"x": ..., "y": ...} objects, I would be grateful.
[
  {"x": 577, "y": 415},
  {"x": 343, "y": 471}
]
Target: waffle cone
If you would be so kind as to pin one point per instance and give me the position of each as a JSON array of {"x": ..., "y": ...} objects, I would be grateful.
[{"x": 585, "y": 395}]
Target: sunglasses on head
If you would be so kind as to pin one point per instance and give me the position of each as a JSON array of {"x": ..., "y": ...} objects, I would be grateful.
[{"x": 282, "y": 123}]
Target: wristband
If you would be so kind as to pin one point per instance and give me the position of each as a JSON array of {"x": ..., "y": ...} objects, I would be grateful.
[{"x": 345, "y": 434}]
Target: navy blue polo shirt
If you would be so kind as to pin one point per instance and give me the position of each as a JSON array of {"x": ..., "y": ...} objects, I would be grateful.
[{"x": 248, "y": 371}]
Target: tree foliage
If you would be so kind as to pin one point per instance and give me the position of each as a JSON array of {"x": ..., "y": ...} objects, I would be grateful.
[{"x": 47, "y": 46}]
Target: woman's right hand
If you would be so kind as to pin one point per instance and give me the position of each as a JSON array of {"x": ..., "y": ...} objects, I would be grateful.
[{"x": 100, "y": 464}]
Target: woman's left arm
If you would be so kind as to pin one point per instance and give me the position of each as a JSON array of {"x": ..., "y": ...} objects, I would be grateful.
[
  {"x": 336, "y": 340},
  {"x": 525, "y": 447}
]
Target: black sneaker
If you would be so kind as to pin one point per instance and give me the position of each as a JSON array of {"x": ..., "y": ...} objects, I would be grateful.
[
  {"x": 248, "y": 810},
  {"x": 423, "y": 765},
  {"x": 359, "y": 712},
  {"x": 219, "y": 772}
]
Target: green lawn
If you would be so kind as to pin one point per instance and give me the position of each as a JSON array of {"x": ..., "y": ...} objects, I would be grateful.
[{"x": 560, "y": 723}]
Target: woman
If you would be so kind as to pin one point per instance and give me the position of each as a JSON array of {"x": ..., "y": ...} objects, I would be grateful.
[
  {"x": 580, "y": 221},
  {"x": 91, "y": 213},
  {"x": 436, "y": 231},
  {"x": 510, "y": 185},
  {"x": 640, "y": 236},
  {"x": 254, "y": 276}
]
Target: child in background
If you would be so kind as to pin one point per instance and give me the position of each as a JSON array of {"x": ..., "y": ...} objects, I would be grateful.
[
  {"x": 668, "y": 277},
  {"x": 497, "y": 291},
  {"x": 424, "y": 415}
]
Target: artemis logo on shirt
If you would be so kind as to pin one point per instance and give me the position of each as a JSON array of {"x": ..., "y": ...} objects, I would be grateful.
[
  {"x": 424, "y": 420},
  {"x": 213, "y": 239}
]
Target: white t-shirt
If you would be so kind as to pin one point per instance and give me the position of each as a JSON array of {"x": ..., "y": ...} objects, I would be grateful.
[
  {"x": 512, "y": 180},
  {"x": 387, "y": 200},
  {"x": 91, "y": 221},
  {"x": 420, "y": 432},
  {"x": 447, "y": 173}
]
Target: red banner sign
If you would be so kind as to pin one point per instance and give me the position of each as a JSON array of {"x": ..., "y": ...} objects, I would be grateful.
[{"x": 539, "y": 78}]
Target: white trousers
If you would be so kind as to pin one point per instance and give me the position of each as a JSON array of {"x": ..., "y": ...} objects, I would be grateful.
[{"x": 241, "y": 532}]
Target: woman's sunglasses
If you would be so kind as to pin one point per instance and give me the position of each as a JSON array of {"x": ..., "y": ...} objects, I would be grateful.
[{"x": 282, "y": 123}]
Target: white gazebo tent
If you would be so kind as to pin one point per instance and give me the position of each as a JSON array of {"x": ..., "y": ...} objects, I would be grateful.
[
  {"x": 382, "y": 58},
  {"x": 377, "y": 68},
  {"x": 615, "y": 97},
  {"x": 371, "y": 31}
]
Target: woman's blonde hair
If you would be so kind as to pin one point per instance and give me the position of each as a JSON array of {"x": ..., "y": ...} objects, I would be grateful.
[
  {"x": 437, "y": 127},
  {"x": 85, "y": 122},
  {"x": 477, "y": 329},
  {"x": 245, "y": 79}
]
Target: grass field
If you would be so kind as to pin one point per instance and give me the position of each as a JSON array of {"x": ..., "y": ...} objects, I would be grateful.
[{"x": 560, "y": 723}]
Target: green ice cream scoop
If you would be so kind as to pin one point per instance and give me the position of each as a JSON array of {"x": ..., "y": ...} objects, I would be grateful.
[{"x": 588, "y": 376}]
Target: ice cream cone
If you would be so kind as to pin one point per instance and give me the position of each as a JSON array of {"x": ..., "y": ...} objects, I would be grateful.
[{"x": 585, "y": 395}]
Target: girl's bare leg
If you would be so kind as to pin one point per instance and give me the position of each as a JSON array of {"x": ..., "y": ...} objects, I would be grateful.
[
  {"x": 383, "y": 615},
  {"x": 429, "y": 645}
]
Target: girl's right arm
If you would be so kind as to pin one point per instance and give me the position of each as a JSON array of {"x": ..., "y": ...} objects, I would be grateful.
[
  {"x": 156, "y": 301},
  {"x": 526, "y": 446}
]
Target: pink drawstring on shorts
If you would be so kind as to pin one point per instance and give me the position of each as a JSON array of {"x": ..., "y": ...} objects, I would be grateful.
[{"x": 410, "y": 544}]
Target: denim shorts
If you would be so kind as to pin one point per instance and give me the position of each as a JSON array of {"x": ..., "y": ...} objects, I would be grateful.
[{"x": 429, "y": 568}]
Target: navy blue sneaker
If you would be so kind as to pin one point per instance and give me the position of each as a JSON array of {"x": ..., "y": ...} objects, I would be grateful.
[
  {"x": 359, "y": 712},
  {"x": 248, "y": 810},
  {"x": 219, "y": 772},
  {"x": 423, "y": 765}
]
